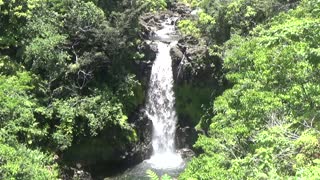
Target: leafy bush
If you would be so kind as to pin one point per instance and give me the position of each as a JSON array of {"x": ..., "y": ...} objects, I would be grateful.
[
  {"x": 188, "y": 27},
  {"x": 18, "y": 122},
  {"x": 87, "y": 116},
  {"x": 154, "y": 5},
  {"x": 22, "y": 163}
]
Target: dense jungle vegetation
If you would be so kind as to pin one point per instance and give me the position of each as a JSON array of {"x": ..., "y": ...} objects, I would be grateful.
[{"x": 68, "y": 82}]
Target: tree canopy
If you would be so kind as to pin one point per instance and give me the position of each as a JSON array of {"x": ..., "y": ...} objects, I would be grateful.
[{"x": 265, "y": 126}]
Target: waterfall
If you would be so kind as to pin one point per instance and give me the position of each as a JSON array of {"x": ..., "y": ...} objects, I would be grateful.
[{"x": 160, "y": 106}]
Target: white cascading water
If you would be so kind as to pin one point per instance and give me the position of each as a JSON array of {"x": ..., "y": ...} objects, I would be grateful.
[{"x": 160, "y": 103}]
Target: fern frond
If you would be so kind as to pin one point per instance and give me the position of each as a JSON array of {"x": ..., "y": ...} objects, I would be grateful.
[
  {"x": 152, "y": 175},
  {"x": 166, "y": 177}
]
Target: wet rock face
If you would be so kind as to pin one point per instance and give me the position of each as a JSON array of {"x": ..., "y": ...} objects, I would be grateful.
[
  {"x": 80, "y": 174},
  {"x": 149, "y": 24},
  {"x": 75, "y": 173},
  {"x": 186, "y": 153},
  {"x": 143, "y": 148},
  {"x": 150, "y": 50},
  {"x": 181, "y": 9},
  {"x": 187, "y": 55},
  {"x": 177, "y": 57},
  {"x": 142, "y": 68},
  {"x": 186, "y": 136}
]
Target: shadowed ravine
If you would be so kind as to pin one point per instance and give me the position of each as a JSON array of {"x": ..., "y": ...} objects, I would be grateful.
[{"x": 160, "y": 109}]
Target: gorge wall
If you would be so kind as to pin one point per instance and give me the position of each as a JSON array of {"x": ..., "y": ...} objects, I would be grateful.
[{"x": 193, "y": 87}]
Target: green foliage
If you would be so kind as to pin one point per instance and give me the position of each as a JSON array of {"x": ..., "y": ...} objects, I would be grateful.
[
  {"x": 18, "y": 122},
  {"x": 130, "y": 91},
  {"x": 154, "y": 5},
  {"x": 153, "y": 176},
  {"x": 190, "y": 105},
  {"x": 22, "y": 163},
  {"x": 199, "y": 27},
  {"x": 265, "y": 126},
  {"x": 205, "y": 167},
  {"x": 66, "y": 80},
  {"x": 188, "y": 27},
  {"x": 166, "y": 177},
  {"x": 192, "y": 3},
  {"x": 87, "y": 116},
  {"x": 44, "y": 54},
  {"x": 243, "y": 15},
  {"x": 13, "y": 16},
  {"x": 7, "y": 66},
  {"x": 309, "y": 172},
  {"x": 85, "y": 15},
  {"x": 217, "y": 20}
]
